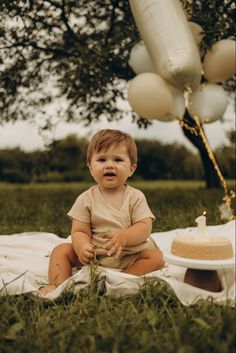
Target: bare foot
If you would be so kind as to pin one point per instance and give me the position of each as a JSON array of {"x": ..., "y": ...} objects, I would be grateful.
[{"x": 47, "y": 289}]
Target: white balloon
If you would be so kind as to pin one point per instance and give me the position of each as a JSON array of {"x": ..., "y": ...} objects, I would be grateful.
[
  {"x": 140, "y": 59},
  {"x": 168, "y": 38},
  {"x": 178, "y": 106},
  {"x": 197, "y": 31},
  {"x": 219, "y": 62},
  {"x": 208, "y": 102},
  {"x": 149, "y": 96}
]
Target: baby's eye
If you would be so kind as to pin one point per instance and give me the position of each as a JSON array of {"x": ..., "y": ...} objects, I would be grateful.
[
  {"x": 101, "y": 159},
  {"x": 118, "y": 159}
]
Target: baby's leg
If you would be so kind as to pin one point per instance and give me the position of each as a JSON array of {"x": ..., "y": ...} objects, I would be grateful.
[
  {"x": 62, "y": 259},
  {"x": 149, "y": 260}
]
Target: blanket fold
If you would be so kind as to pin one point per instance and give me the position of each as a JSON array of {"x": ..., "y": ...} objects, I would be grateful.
[{"x": 24, "y": 262}]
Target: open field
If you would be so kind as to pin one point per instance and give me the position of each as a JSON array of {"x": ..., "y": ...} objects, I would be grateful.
[
  {"x": 43, "y": 207},
  {"x": 90, "y": 322}
]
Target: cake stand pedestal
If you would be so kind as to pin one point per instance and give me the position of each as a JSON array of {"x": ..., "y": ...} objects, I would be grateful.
[
  {"x": 204, "y": 279},
  {"x": 201, "y": 273}
]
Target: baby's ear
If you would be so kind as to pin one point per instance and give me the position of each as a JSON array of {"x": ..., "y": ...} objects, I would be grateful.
[
  {"x": 132, "y": 169},
  {"x": 89, "y": 167}
]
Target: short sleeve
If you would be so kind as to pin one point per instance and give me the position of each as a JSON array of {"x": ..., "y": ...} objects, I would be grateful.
[
  {"x": 140, "y": 208},
  {"x": 81, "y": 209}
]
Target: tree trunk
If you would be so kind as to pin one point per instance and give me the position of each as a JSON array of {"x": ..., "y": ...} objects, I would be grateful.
[{"x": 211, "y": 177}]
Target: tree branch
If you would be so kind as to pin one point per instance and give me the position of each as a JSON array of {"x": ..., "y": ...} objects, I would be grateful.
[
  {"x": 112, "y": 21},
  {"x": 24, "y": 44},
  {"x": 65, "y": 21}
]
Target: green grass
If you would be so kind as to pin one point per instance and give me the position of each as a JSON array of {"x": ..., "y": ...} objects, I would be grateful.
[{"x": 151, "y": 321}]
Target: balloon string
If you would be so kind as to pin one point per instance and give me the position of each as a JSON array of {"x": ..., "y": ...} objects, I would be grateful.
[
  {"x": 192, "y": 129},
  {"x": 210, "y": 154},
  {"x": 199, "y": 131}
]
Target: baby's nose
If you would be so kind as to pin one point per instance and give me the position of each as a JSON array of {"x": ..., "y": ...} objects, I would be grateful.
[{"x": 109, "y": 165}]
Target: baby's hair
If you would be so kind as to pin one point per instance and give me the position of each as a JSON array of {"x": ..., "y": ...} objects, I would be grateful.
[{"x": 103, "y": 139}]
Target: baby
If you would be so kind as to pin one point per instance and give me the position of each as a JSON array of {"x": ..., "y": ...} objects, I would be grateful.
[{"x": 111, "y": 221}]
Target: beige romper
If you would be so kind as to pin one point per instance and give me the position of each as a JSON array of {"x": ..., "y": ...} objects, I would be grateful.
[{"x": 91, "y": 207}]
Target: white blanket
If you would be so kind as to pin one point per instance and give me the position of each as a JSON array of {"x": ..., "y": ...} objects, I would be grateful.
[{"x": 24, "y": 261}]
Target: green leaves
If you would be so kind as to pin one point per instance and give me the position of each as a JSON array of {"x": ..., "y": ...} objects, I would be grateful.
[{"x": 83, "y": 46}]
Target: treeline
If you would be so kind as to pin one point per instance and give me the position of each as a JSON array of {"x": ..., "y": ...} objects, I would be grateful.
[{"x": 65, "y": 161}]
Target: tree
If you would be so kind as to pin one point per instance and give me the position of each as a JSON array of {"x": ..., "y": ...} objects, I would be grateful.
[
  {"x": 65, "y": 160},
  {"x": 226, "y": 155},
  {"x": 78, "y": 50}
]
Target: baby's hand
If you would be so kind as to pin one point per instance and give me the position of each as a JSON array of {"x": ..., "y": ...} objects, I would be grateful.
[
  {"x": 86, "y": 253},
  {"x": 116, "y": 243}
]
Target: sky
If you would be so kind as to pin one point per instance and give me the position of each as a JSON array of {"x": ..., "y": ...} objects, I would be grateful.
[{"x": 26, "y": 135}]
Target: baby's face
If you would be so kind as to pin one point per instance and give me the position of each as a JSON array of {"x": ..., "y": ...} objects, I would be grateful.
[{"x": 112, "y": 167}]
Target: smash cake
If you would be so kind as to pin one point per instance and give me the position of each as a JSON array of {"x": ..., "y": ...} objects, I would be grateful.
[{"x": 202, "y": 246}]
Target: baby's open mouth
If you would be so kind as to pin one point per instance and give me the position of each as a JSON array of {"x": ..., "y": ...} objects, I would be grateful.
[{"x": 109, "y": 174}]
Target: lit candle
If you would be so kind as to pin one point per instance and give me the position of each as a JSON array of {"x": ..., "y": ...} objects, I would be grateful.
[{"x": 201, "y": 225}]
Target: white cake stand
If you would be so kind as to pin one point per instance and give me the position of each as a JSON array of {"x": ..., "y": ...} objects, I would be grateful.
[{"x": 201, "y": 273}]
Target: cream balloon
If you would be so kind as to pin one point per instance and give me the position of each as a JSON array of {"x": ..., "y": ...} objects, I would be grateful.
[
  {"x": 219, "y": 63},
  {"x": 197, "y": 31},
  {"x": 167, "y": 35},
  {"x": 208, "y": 102},
  {"x": 149, "y": 96},
  {"x": 178, "y": 106},
  {"x": 140, "y": 59}
]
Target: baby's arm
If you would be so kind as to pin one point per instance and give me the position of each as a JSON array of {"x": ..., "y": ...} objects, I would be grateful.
[
  {"x": 81, "y": 241},
  {"x": 134, "y": 235}
]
